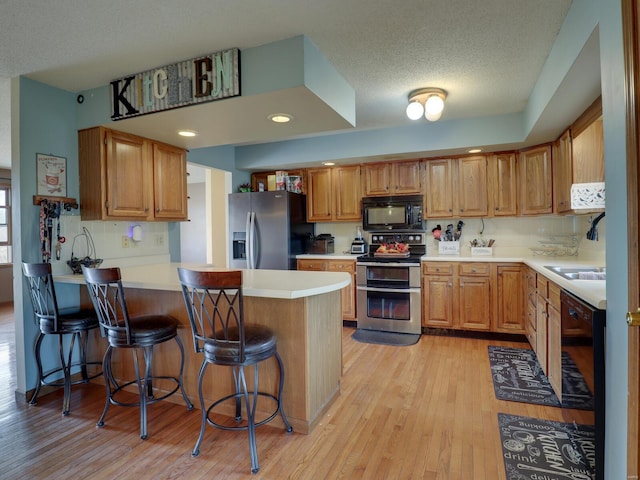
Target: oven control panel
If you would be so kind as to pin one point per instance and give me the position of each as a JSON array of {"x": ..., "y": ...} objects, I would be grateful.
[{"x": 408, "y": 238}]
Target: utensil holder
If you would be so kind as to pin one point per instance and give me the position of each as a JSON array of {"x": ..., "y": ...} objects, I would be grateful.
[
  {"x": 481, "y": 251},
  {"x": 449, "y": 248}
]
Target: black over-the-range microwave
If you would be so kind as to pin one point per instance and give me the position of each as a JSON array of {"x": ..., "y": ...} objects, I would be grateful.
[{"x": 392, "y": 213}]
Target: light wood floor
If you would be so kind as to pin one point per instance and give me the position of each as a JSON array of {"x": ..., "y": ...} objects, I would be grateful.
[{"x": 422, "y": 412}]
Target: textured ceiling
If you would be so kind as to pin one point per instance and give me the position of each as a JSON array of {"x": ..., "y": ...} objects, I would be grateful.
[{"x": 486, "y": 54}]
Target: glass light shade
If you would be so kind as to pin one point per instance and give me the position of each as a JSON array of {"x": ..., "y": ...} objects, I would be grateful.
[
  {"x": 433, "y": 108},
  {"x": 415, "y": 110}
]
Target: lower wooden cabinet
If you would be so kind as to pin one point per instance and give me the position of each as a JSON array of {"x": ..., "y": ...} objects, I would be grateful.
[
  {"x": 480, "y": 296},
  {"x": 548, "y": 337},
  {"x": 348, "y": 292},
  {"x": 456, "y": 295},
  {"x": 509, "y": 299}
]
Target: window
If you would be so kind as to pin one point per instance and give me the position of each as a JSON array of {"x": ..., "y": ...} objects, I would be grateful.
[{"x": 5, "y": 223}]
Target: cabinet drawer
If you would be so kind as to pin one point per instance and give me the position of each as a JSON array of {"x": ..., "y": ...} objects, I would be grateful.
[
  {"x": 481, "y": 269},
  {"x": 316, "y": 265},
  {"x": 437, "y": 268},
  {"x": 554, "y": 296},
  {"x": 341, "y": 266}
]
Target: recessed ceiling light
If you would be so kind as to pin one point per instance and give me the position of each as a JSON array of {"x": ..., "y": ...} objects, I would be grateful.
[
  {"x": 280, "y": 117},
  {"x": 187, "y": 133},
  {"x": 328, "y": 164},
  {"x": 475, "y": 150}
]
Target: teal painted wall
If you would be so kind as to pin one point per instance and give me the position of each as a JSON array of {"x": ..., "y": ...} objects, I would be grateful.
[{"x": 47, "y": 125}]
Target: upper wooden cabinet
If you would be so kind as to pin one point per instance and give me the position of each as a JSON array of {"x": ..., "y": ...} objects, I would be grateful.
[
  {"x": 502, "y": 184},
  {"x": 394, "y": 178},
  {"x": 333, "y": 194},
  {"x": 471, "y": 186},
  {"x": 578, "y": 157},
  {"x": 439, "y": 181},
  {"x": 457, "y": 187},
  {"x": 562, "y": 173},
  {"x": 126, "y": 177},
  {"x": 535, "y": 180}
]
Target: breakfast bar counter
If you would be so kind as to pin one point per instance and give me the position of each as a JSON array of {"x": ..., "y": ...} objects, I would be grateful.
[{"x": 302, "y": 308}]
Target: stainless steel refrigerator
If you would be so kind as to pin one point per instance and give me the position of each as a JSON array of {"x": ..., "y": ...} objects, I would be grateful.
[{"x": 268, "y": 229}]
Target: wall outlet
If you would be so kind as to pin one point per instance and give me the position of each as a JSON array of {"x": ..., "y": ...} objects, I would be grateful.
[
  {"x": 125, "y": 241},
  {"x": 159, "y": 239}
]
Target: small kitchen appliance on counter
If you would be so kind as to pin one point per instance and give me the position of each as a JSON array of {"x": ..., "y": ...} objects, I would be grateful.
[
  {"x": 323, "y": 244},
  {"x": 358, "y": 246}
]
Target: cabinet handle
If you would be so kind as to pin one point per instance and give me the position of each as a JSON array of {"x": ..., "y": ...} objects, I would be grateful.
[{"x": 474, "y": 270}]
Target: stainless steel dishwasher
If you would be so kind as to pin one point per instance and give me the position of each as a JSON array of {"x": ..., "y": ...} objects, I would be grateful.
[{"x": 583, "y": 327}]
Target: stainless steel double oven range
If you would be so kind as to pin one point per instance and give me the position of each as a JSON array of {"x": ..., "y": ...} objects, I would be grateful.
[{"x": 388, "y": 287}]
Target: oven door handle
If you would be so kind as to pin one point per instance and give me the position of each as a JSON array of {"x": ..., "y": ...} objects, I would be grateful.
[
  {"x": 389, "y": 290},
  {"x": 387, "y": 264}
]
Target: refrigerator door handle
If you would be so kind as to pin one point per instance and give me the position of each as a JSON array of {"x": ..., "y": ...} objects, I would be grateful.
[
  {"x": 254, "y": 242},
  {"x": 247, "y": 229}
]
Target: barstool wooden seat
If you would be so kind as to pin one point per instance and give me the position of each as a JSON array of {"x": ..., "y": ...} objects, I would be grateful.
[
  {"x": 61, "y": 322},
  {"x": 138, "y": 333},
  {"x": 214, "y": 304}
]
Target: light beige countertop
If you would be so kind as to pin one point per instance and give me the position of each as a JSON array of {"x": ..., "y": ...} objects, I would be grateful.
[
  {"x": 591, "y": 291},
  {"x": 286, "y": 284}
]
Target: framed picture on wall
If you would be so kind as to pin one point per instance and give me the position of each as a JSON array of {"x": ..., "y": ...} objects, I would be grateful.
[{"x": 52, "y": 175}]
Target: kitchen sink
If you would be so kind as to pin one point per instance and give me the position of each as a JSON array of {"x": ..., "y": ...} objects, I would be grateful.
[{"x": 580, "y": 273}]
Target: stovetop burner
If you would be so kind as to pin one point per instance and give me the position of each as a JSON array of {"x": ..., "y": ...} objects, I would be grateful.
[{"x": 414, "y": 240}]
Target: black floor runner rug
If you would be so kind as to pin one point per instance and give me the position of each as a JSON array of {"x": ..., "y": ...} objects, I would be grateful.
[
  {"x": 385, "y": 338},
  {"x": 517, "y": 376},
  {"x": 535, "y": 449}
]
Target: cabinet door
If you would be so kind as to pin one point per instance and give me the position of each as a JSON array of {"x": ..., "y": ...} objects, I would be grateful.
[
  {"x": 509, "y": 299},
  {"x": 554, "y": 351},
  {"x": 170, "y": 182},
  {"x": 588, "y": 154},
  {"x": 346, "y": 190},
  {"x": 319, "y": 195},
  {"x": 348, "y": 292},
  {"x": 407, "y": 178},
  {"x": 535, "y": 181},
  {"x": 312, "y": 265},
  {"x": 541, "y": 331},
  {"x": 437, "y": 298},
  {"x": 377, "y": 179},
  {"x": 439, "y": 177},
  {"x": 128, "y": 176},
  {"x": 503, "y": 184},
  {"x": 474, "y": 305},
  {"x": 562, "y": 173},
  {"x": 471, "y": 191}
]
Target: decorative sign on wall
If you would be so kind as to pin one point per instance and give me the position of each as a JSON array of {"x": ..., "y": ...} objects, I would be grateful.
[
  {"x": 199, "y": 80},
  {"x": 52, "y": 175}
]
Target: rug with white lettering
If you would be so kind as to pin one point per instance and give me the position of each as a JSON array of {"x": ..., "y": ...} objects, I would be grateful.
[
  {"x": 518, "y": 377},
  {"x": 535, "y": 449}
]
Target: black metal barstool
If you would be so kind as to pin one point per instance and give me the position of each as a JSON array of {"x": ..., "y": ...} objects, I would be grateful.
[
  {"x": 53, "y": 321},
  {"x": 215, "y": 307},
  {"x": 140, "y": 332}
]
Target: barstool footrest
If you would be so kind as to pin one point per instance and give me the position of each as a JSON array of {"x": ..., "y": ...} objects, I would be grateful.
[{"x": 241, "y": 395}]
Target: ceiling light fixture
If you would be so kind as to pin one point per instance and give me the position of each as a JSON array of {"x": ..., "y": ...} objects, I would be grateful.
[
  {"x": 187, "y": 133},
  {"x": 474, "y": 150},
  {"x": 280, "y": 117},
  {"x": 328, "y": 164},
  {"x": 427, "y": 101}
]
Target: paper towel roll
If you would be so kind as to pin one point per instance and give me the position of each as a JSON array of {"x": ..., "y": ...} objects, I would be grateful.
[{"x": 136, "y": 233}]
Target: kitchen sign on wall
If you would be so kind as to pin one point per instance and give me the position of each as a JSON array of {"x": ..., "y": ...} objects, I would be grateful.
[{"x": 189, "y": 82}]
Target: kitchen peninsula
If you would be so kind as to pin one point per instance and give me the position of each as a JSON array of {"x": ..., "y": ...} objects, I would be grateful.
[{"x": 303, "y": 308}]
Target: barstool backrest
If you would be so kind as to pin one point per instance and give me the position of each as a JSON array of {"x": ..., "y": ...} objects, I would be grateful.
[
  {"x": 42, "y": 291},
  {"x": 215, "y": 307},
  {"x": 107, "y": 295}
]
